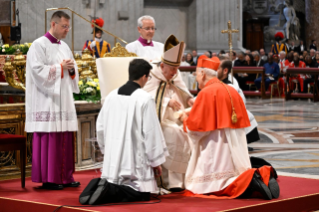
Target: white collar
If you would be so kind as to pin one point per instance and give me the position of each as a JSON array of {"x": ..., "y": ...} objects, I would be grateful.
[{"x": 98, "y": 39}]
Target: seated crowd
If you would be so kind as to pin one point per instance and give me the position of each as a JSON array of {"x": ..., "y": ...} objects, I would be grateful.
[{"x": 275, "y": 67}]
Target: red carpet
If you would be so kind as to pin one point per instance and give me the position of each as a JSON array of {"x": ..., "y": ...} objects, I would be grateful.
[{"x": 297, "y": 194}]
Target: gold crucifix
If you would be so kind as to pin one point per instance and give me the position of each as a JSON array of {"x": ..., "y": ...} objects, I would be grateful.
[{"x": 230, "y": 42}]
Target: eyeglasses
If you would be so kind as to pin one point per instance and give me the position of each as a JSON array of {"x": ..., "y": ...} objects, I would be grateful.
[
  {"x": 149, "y": 28},
  {"x": 64, "y": 26}
]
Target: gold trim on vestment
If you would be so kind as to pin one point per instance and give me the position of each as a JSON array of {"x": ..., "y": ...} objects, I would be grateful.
[
  {"x": 234, "y": 115},
  {"x": 159, "y": 97}
]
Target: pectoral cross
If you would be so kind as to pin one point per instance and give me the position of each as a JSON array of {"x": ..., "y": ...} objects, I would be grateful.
[{"x": 230, "y": 42}]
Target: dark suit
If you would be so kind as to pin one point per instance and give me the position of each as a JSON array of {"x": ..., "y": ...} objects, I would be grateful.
[
  {"x": 260, "y": 63},
  {"x": 293, "y": 48},
  {"x": 312, "y": 47},
  {"x": 313, "y": 64},
  {"x": 299, "y": 49},
  {"x": 195, "y": 60}
]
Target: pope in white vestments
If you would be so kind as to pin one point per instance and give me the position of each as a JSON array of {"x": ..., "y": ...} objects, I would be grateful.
[
  {"x": 51, "y": 80},
  {"x": 220, "y": 164},
  {"x": 144, "y": 46},
  {"x": 130, "y": 135},
  {"x": 171, "y": 94}
]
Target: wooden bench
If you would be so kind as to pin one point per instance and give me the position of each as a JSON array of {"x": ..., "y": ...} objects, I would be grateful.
[
  {"x": 253, "y": 70},
  {"x": 310, "y": 71}
]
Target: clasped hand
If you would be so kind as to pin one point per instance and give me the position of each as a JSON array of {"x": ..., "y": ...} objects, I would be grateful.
[{"x": 67, "y": 64}]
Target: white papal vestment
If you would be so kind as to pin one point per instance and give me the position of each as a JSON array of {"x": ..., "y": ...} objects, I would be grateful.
[{"x": 177, "y": 140}]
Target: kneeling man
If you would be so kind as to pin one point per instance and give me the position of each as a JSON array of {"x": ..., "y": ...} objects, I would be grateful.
[
  {"x": 131, "y": 139},
  {"x": 219, "y": 163}
]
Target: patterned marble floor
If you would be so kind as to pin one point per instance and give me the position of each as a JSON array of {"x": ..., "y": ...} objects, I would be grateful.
[{"x": 289, "y": 132}]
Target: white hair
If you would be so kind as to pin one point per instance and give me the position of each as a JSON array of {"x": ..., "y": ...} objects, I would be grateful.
[
  {"x": 312, "y": 50},
  {"x": 255, "y": 53},
  {"x": 282, "y": 52},
  {"x": 145, "y": 17},
  {"x": 209, "y": 72}
]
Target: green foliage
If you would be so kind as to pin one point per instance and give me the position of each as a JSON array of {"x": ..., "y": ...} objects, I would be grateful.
[{"x": 89, "y": 90}]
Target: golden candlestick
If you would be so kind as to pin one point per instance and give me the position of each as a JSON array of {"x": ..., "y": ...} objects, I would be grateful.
[
  {"x": 9, "y": 72},
  {"x": 230, "y": 31},
  {"x": 19, "y": 64}
]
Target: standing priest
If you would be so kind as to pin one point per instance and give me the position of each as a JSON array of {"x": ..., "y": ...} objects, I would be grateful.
[
  {"x": 51, "y": 80},
  {"x": 219, "y": 163},
  {"x": 171, "y": 94},
  {"x": 144, "y": 46}
]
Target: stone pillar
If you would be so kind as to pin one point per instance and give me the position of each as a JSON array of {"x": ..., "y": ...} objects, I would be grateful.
[{"x": 312, "y": 21}]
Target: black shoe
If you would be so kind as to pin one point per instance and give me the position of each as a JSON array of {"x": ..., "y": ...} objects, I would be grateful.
[
  {"x": 73, "y": 184},
  {"x": 100, "y": 192},
  {"x": 273, "y": 187},
  {"x": 258, "y": 185},
  {"x": 176, "y": 189},
  {"x": 250, "y": 149},
  {"x": 51, "y": 186}
]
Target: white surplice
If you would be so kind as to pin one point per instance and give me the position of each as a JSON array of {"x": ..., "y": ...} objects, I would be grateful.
[
  {"x": 148, "y": 52},
  {"x": 49, "y": 99},
  {"x": 131, "y": 139},
  {"x": 177, "y": 140},
  {"x": 218, "y": 158},
  {"x": 252, "y": 120}
]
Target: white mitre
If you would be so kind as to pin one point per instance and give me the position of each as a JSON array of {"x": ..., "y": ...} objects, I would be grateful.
[{"x": 173, "y": 51}]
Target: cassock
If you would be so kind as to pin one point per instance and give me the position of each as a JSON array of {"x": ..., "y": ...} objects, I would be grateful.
[
  {"x": 176, "y": 139},
  {"x": 50, "y": 110},
  {"x": 130, "y": 137},
  {"x": 219, "y": 154},
  {"x": 151, "y": 50}
]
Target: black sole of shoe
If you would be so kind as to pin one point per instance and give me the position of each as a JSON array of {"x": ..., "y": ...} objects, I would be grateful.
[
  {"x": 99, "y": 192},
  {"x": 265, "y": 190},
  {"x": 274, "y": 188}
]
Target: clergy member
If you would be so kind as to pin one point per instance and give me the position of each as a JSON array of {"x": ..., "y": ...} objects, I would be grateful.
[
  {"x": 171, "y": 94},
  {"x": 223, "y": 73},
  {"x": 219, "y": 164},
  {"x": 131, "y": 139},
  {"x": 51, "y": 80},
  {"x": 144, "y": 46},
  {"x": 98, "y": 46}
]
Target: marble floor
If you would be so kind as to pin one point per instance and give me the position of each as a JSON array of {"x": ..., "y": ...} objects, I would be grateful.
[{"x": 289, "y": 132}]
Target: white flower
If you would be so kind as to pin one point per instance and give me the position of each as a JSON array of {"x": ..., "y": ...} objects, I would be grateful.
[
  {"x": 3, "y": 50},
  {"x": 89, "y": 89}
]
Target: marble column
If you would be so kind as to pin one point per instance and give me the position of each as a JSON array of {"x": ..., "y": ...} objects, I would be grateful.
[{"x": 312, "y": 21}]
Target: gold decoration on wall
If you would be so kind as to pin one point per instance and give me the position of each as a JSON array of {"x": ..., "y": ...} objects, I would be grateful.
[
  {"x": 119, "y": 51},
  {"x": 9, "y": 72}
]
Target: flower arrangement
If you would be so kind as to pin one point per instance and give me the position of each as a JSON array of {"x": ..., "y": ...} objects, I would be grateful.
[
  {"x": 89, "y": 90},
  {"x": 6, "y": 49}
]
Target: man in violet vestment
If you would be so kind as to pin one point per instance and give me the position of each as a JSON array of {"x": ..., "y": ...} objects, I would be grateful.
[
  {"x": 51, "y": 79},
  {"x": 144, "y": 46}
]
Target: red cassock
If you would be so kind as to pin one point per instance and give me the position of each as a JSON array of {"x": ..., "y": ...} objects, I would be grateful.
[{"x": 298, "y": 77}]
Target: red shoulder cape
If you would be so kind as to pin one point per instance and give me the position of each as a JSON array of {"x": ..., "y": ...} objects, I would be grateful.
[{"x": 213, "y": 110}]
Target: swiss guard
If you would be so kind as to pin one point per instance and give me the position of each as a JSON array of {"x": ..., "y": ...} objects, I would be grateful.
[
  {"x": 98, "y": 46},
  {"x": 279, "y": 46}
]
